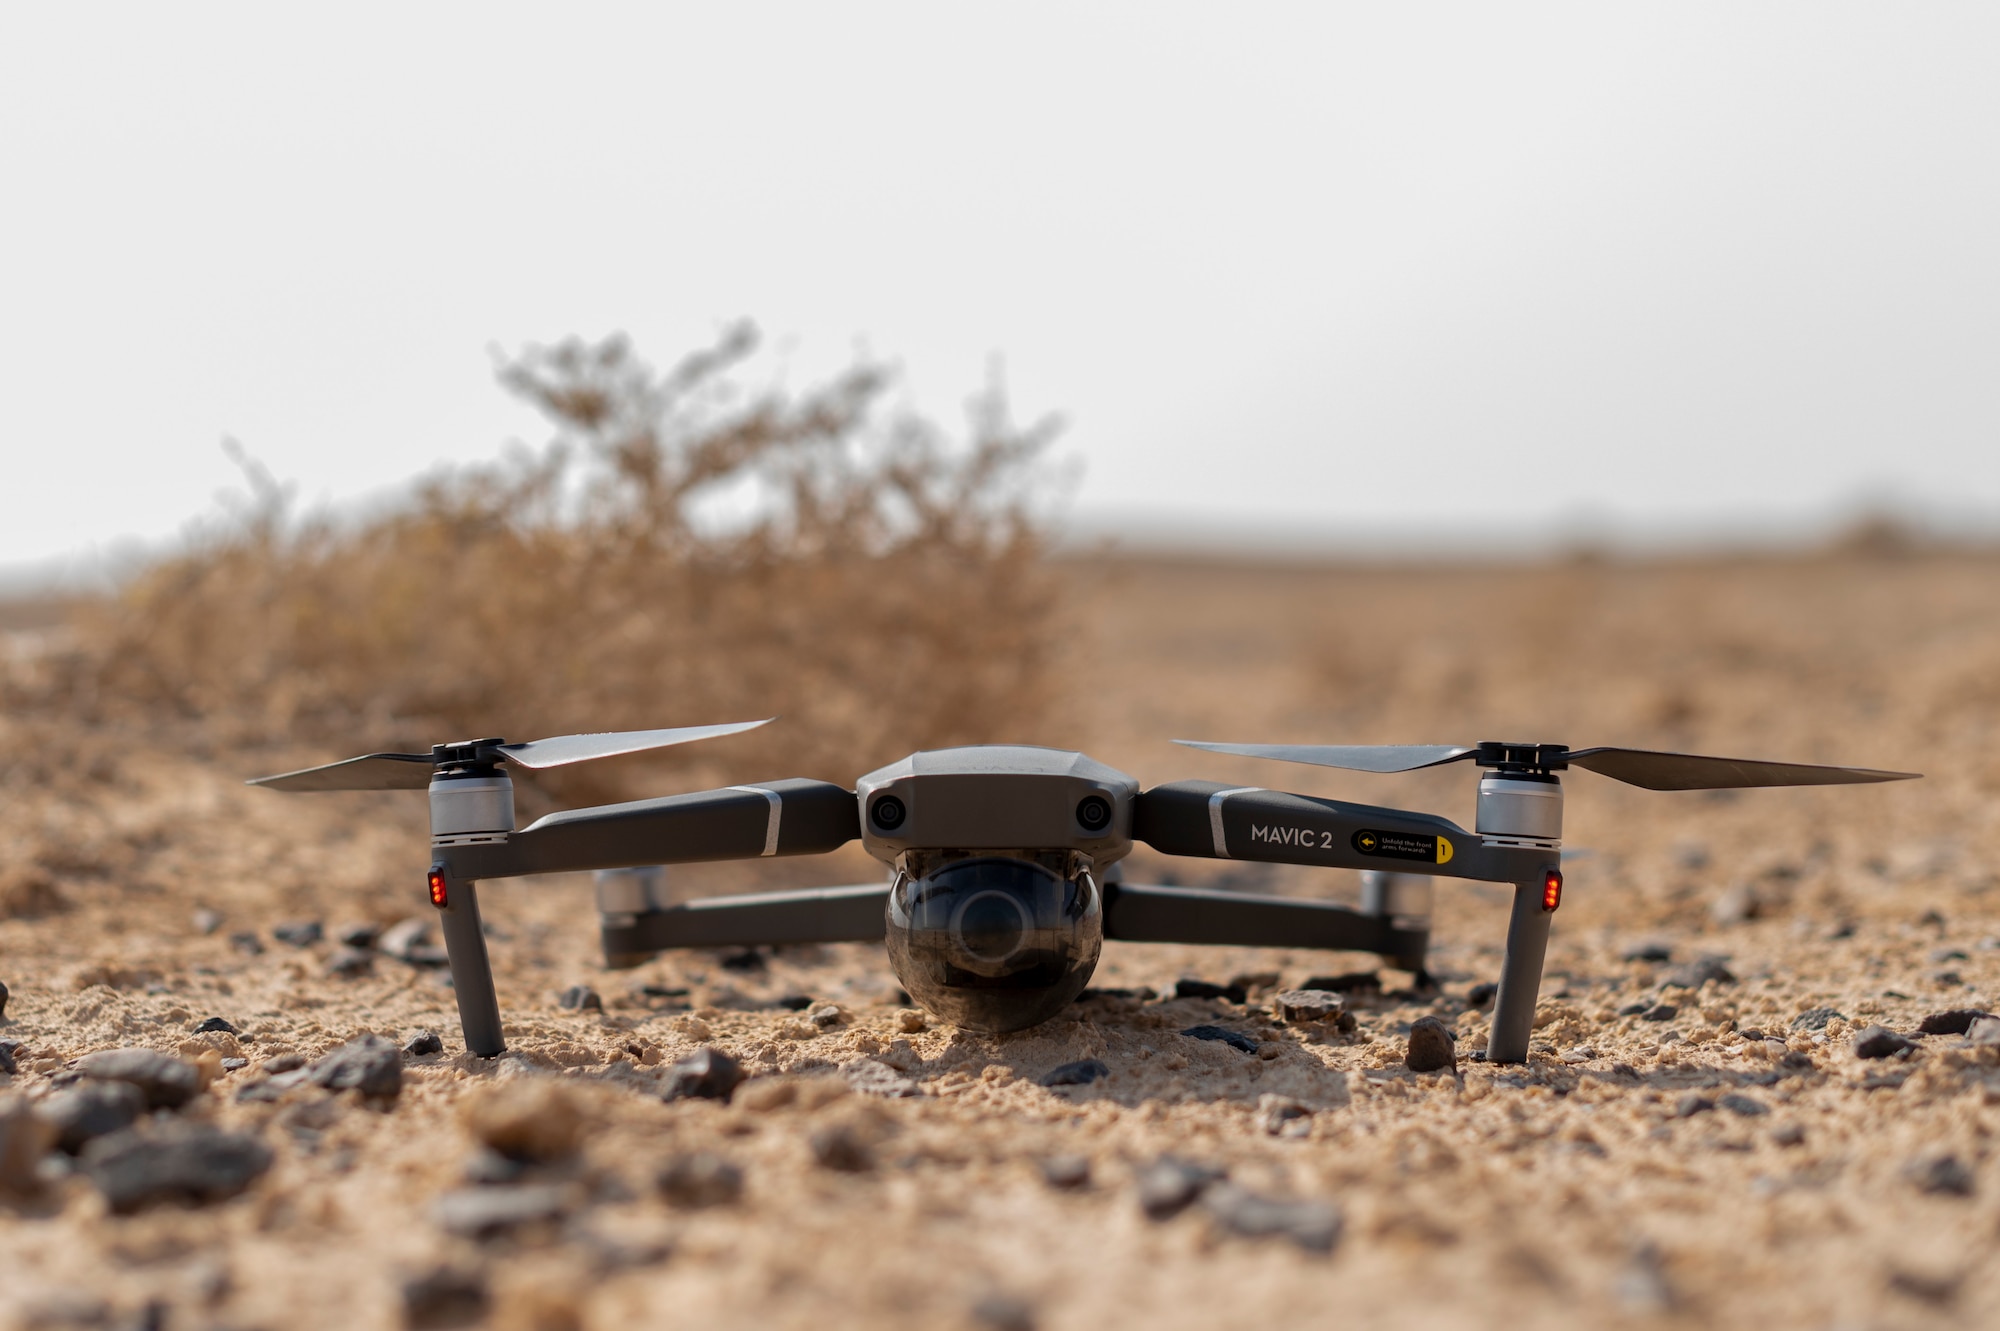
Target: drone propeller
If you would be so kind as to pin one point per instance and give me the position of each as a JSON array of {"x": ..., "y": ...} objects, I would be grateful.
[
  {"x": 1636, "y": 767},
  {"x": 413, "y": 771}
]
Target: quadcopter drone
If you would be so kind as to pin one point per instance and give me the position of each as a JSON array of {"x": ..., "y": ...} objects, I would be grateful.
[{"x": 1004, "y": 876}]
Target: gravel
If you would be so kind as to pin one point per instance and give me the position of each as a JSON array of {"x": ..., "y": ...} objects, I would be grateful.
[
  {"x": 1169, "y": 1186},
  {"x": 1482, "y": 994},
  {"x": 1432, "y": 1046},
  {"x": 1694, "y": 974},
  {"x": 1942, "y": 1176},
  {"x": 482, "y": 1213},
  {"x": 349, "y": 962},
  {"x": 700, "y": 1179},
  {"x": 871, "y": 1076},
  {"x": 1066, "y": 1173},
  {"x": 534, "y": 1120},
  {"x": 1306, "y": 1006},
  {"x": 370, "y": 1065},
  {"x": 87, "y": 1110},
  {"x": 423, "y": 1044},
  {"x": 706, "y": 1074},
  {"x": 1648, "y": 949},
  {"x": 1080, "y": 1073},
  {"x": 179, "y": 1162},
  {"x": 167, "y": 1082},
  {"x": 358, "y": 935},
  {"x": 580, "y": 998},
  {"x": 1743, "y": 1105},
  {"x": 1311, "y": 1225},
  {"x": 1815, "y": 1019},
  {"x": 1660, "y": 1012},
  {"x": 1234, "y": 1039},
  {"x": 1879, "y": 1042},
  {"x": 299, "y": 933},
  {"x": 840, "y": 1147},
  {"x": 216, "y": 1024}
]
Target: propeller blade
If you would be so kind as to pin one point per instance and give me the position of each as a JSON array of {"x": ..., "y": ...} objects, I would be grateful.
[
  {"x": 374, "y": 771},
  {"x": 1354, "y": 757},
  {"x": 564, "y": 749},
  {"x": 1693, "y": 771}
]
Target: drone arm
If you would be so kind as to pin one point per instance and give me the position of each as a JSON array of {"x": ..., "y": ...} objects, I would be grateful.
[
  {"x": 736, "y": 823},
  {"x": 1146, "y": 914},
  {"x": 813, "y": 915}
]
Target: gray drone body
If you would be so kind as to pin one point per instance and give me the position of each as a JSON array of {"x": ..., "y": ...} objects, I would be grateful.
[{"x": 1003, "y": 866}]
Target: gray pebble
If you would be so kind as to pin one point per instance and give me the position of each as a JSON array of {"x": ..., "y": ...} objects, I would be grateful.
[
  {"x": 1879, "y": 1042},
  {"x": 706, "y": 1074},
  {"x": 1650, "y": 949},
  {"x": 424, "y": 1043},
  {"x": 247, "y": 943},
  {"x": 181, "y": 1162},
  {"x": 699, "y": 1179},
  {"x": 1942, "y": 1175},
  {"x": 1816, "y": 1019},
  {"x": 871, "y": 1076},
  {"x": 1066, "y": 1172},
  {"x": 840, "y": 1147},
  {"x": 1984, "y": 1031},
  {"x": 479, "y": 1213},
  {"x": 489, "y": 1168},
  {"x": 1788, "y": 1134},
  {"x": 1691, "y": 1104},
  {"x": 1080, "y": 1073},
  {"x": 349, "y": 962},
  {"x": 235, "y": 1064},
  {"x": 1743, "y": 1105},
  {"x": 403, "y": 937},
  {"x": 8, "y": 1065},
  {"x": 1694, "y": 974},
  {"x": 359, "y": 935},
  {"x": 1313, "y": 1226},
  {"x": 826, "y": 1016},
  {"x": 216, "y": 1024},
  {"x": 580, "y": 998},
  {"x": 1432, "y": 1046},
  {"x": 86, "y": 1110},
  {"x": 166, "y": 1081},
  {"x": 1169, "y": 1186},
  {"x": 1635, "y": 1009},
  {"x": 1479, "y": 995},
  {"x": 1222, "y": 1034},
  {"x": 299, "y": 933},
  {"x": 277, "y": 1063},
  {"x": 1660, "y": 1012},
  {"x": 1003, "y": 1312},
  {"x": 444, "y": 1297},
  {"x": 207, "y": 921},
  {"x": 370, "y": 1065}
]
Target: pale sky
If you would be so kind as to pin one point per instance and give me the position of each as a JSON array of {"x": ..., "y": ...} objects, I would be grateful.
[{"x": 1415, "y": 272}]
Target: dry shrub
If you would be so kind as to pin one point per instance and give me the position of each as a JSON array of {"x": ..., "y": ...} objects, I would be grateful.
[{"x": 687, "y": 549}]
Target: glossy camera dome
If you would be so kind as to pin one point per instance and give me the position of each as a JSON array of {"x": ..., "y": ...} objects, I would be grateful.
[{"x": 995, "y": 942}]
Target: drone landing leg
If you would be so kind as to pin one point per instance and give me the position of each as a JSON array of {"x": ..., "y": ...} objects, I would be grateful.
[
  {"x": 1520, "y": 977},
  {"x": 471, "y": 972}
]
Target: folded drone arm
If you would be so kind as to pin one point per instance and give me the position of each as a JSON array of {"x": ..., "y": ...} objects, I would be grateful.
[
  {"x": 810, "y": 915},
  {"x": 1214, "y": 821},
  {"x": 1137, "y": 913},
  {"x": 736, "y": 823}
]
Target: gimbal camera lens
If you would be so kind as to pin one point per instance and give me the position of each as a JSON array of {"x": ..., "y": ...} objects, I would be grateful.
[
  {"x": 995, "y": 942},
  {"x": 1093, "y": 813},
  {"x": 888, "y": 813}
]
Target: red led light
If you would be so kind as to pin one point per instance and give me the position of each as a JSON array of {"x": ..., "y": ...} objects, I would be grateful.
[
  {"x": 437, "y": 889},
  {"x": 1552, "y": 889}
]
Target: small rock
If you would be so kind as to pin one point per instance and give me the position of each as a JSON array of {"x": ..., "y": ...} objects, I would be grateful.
[
  {"x": 1788, "y": 1134},
  {"x": 1080, "y": 1073},
  {"x": 1432, "y": 1046},
  {"x": 1660, "y": 1012},
  {"x": 699, "y": 1179},
  {"x": 167, "y": 1082},
  {"x": 1313, "y": 1226},
  {"x": 1944, "y": 954},
  {"x": 579, "y": 998},
  {"x": 4, "y": 992},
  {"x": 706, "y": 1074},
  {"x": 1168, "y": 1186},
  {"x": 793, "y": 1002},
  {"x": 840, "y": 1147},
  {"x": 1694, "y": 974},
  {"x": 299, "y": 933},
  {"x": 1277, "y": 1112},
  {"x": 479, "y": 1213},
  {"x": 424, "y": 1043},
  {"x": 1234, "y": 1039},
  {"x": 278, "y": 1063},
  {"x": 1692, "y": 1103},
  {"x": 1643, "y": 1286},
  {"x": 349, "y": 962},
  {"x": 1956, "y": 1022},
  {"x": 1743, "y": 1106},
  {"x": 1942, "y": 1175},
  {"x": 216, "y": 1024},
  {"x": 359, "y": 935},
  {"x": 1582, "y": 1053},
  {"x": 1481, "y": 995},
  {"x": 488, "y": 1168},
  {"x": 1203, "y": 989},
  {"x": 25, "y": 1136},
  {"x": 1934, "y": 1287},
  {"x": 533, "y": 1119},
  {"x": 1649, "y": 949},
  {"x": 910, "y": 1021},
  {"x": 402, "y": 937},
  {"x": 86, "y": 1110},
  {"x": 826, "y": 1016},
  {"x": 370, "y": 1065},
  {"x": 1066, "y": 1172},
  {"x": 207, "y": 921},
  {"x": 444, "y": 1297},
  {"x": 1984, "y": 1031},
  {"x": 247, "y": 943},
  {"x": 235, "y": 1064},
  {"x": 1305, "y": 1006},
  {"x": 1816, "y": 1019},
  {"x": 8, "y": 1063},
  {"x": 1879, "y": 1042},
  {"x": 871, "y": 1076},
  {"x": 1003, "y": 1312},
  {"x": 181, "y": 1162}
]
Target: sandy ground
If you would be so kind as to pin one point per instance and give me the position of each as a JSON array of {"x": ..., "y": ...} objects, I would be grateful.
[{"x": 1592, "y": 1187}]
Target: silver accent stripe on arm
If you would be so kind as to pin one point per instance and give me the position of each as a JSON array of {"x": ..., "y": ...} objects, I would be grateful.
[
  {"x": 771, "y": 825},
  {"x": 1215, "y": 816}
]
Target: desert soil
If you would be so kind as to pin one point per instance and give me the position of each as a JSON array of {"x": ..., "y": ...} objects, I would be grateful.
[{"x": 1724, "y": 1166}]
